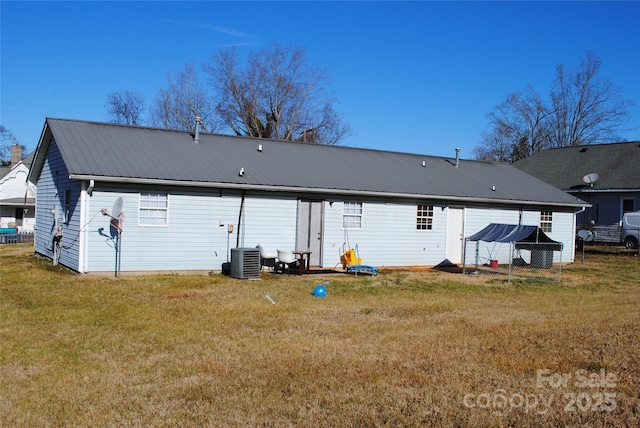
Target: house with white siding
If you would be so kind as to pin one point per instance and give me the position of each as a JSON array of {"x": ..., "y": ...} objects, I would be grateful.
[
  {"x": 17, "y": 195},
  {"x": 187, "y": 198}
]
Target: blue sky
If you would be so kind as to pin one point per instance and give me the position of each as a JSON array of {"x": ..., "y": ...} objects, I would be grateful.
[{"x": 414, "y": 77}]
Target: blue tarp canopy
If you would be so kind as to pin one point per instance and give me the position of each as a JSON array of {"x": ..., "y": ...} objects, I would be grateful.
[{"x": 497, "y": 232}]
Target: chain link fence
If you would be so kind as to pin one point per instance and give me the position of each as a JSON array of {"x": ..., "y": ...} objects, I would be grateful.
[{"x": 524, "y": 261}]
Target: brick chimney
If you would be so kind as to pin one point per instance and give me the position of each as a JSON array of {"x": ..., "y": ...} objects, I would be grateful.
[{"x": 16, "y": 154}]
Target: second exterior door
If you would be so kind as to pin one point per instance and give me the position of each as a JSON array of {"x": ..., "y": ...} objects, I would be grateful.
[{"x": 455, "y": 230}]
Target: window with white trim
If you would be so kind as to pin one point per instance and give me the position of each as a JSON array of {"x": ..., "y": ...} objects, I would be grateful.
[
  {"x": 154, "y": 209},
  {"x": 546, "y": 221},
  {"x": 352, "y": 215},
  {"x": 424, "y": 217}
]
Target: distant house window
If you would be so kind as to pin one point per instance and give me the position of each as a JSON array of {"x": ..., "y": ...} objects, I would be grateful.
[
  {"x": 546, "y": 220},
  {"x": 424, "y": 218},
  {"x": 352, "y": 215},
  {"x": 154, "y": 209},
  {"x": 628, "y": 206}
]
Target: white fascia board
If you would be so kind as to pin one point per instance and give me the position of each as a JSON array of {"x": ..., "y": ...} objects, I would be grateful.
[
  {"x": 603, "y": 191},
  {"x": 217, "y": 185}
]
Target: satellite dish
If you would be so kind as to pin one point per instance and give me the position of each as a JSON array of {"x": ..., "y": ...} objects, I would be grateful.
[
  {"x": 585, "y": 235},
  {"x": 115, "y": 227},
  {"x": 590, "y": 178},
  {"x": 117, "y": 208}
]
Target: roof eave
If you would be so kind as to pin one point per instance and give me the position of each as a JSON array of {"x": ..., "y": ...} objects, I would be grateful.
[
  {"x": 350, "y": 192},
  {"x": 611, "y": 190},
  {"x": 17, "y": 202},
  {"x": 40, "y": 154}
]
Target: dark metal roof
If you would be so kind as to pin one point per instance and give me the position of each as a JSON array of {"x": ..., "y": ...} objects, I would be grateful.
[
  {"x": 617, "y": 166},
  {"x": 109, "y": 152}
]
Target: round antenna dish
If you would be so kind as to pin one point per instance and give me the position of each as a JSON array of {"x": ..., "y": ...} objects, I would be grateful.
[
  {"x": 117, "y": 207},
  {"x": 590, "y": 178},
  {"x": 585, "y": 235}
]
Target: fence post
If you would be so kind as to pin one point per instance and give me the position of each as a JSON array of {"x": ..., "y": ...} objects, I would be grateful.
[
  {"x": 464, "y": 257},
  {"x": 477, "y": 254},
  {"x": 510, "y": 260},
  {"x": 560, "y": 268}
]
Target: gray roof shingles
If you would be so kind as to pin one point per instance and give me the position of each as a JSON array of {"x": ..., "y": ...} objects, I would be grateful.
[
  {"x": 108, "y": 150},
  {"x": 617, "y": 166}
]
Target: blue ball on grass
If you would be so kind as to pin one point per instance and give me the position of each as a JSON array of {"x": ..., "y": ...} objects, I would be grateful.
[{"x": 320, "y": 291}]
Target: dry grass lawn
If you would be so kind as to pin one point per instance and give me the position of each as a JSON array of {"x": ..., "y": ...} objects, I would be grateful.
[{"x": 404, "y": 348}]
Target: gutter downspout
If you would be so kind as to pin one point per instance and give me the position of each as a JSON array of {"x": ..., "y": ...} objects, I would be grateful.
[
  {"x": 83, "y": 250},
  {"x": 573, "y": 238},
  {"x": 240, "y": 219}
]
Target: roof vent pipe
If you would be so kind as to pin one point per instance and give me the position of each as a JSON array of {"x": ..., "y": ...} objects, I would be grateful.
[
  {"x": 196, "y": 138},
  {"x": 457, "y": 157}
]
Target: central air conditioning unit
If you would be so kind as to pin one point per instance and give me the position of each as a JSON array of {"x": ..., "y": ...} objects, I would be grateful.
[
  {"x": 541, "y": 259},
  {"x": 245, "y": 263}
]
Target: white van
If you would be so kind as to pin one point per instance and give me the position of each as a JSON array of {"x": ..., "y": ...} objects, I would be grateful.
[{"x": 630, "y": 234}]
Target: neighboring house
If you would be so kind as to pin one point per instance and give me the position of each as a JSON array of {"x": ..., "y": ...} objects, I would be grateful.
[
  {"x": 605, "y": 175},
  {"x": 17, "y": 195},
  {"x": 181, "y": 192}
]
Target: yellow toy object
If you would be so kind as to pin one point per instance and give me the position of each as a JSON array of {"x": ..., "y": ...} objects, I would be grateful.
[
  {"x": 349, "y": 258},
  {"x": 352, "y": 263}
]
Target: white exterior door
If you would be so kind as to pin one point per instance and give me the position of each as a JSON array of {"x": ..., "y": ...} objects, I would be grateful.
[{"x": 455, "y": 234}]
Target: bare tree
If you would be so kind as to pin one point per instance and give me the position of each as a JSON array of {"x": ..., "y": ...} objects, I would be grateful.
[
  {"x": 125, "y": 107},
  {"x": 277, "y": 95},
  {"x": 586, "y": 109},
  {"x": 519, "y": 127},
  {"x": 582, "y": 110},
  {"x": 184, "y": 99},
  {"x": 497, "y": 146}
]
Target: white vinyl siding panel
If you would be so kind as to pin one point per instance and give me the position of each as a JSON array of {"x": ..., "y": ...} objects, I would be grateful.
[
  {"x": 270, "y": 222},
  {"x": 480, "y": 217},
  {"x": 388, "y": 237},
  {"x": 196, "y": 238},
  {"x": 53, "y": 185}
]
